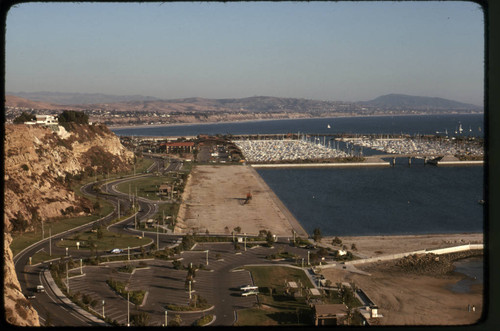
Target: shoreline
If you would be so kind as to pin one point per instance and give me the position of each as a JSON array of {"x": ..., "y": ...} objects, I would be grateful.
[{"x": 144, "y": 126}]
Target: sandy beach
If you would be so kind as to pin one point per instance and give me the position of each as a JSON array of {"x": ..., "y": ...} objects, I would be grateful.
[
  {"x": 406, "y": 298},
  {"x": 214, "y": 200}
]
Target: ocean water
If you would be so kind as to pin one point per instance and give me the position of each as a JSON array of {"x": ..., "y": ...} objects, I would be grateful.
[
  {"x": 473, "y": 269},
  {"x": 367, "y": 201},
  {"x": 382, "y": 201},
  {"x": 423, "y": 124}
]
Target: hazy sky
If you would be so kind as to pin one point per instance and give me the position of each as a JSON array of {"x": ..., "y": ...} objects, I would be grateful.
[{"x": 349, "y": 51}]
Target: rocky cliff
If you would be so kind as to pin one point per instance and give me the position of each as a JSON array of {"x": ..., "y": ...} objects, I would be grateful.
[{"x": 39, "y": 165}]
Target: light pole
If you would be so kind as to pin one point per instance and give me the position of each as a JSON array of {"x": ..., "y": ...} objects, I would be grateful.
[
  {"x": 308, "y": 253},
  {"x": 81, "y": 267},
  {"x": 207, "y": 256},
  {"x": 189, "y": 290},
  {"x": 157, "y": 236},
  {"x": 67, "y": 278},
  {"x": 103, "y": 316},
  {"x": 245, "y": 244},
  {"x": 128, "y": 253},
  {"x": 166, "y": 324},
  {"x": 50, "y": 241},
  {"x": 66, "y": 251},
  {"x": 128, "y": 308}
]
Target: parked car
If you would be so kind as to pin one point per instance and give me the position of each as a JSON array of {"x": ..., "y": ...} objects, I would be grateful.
[
  {"x": 116, "y": 251},
  {"x": 40, "y": 288},
  {"x": 30, "y": 295},
  {"x": 245, "y": 294},
  {"x": 249, "y": 288}
]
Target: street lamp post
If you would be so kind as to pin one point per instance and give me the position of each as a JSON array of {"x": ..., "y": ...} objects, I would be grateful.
[
  {"x": 67, "y": 278},
  {"x": 308, "y": 253},
  {"x": 128, "y": 308},
  {"x": 207, "y": 256},
  {"x": 50, "y": 241},
  {"x": 128, "y": 253},
  {"x": 103, "y": 316},
  {"x": 81, "y": 267},
  {"x": 189, "y": 290},
  {"x": 166, "y": 324},
  {"x": 157, "y": 236}
]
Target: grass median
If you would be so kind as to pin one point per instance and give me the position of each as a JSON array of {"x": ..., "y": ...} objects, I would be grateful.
[{"x": 22, "y": 240}]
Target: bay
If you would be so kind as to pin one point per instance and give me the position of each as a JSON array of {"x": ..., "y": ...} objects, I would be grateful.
[
  {"x": 472, "y": 124},
  {"x": 382, "y": 201},
  {"x": 367, "y": 201}
]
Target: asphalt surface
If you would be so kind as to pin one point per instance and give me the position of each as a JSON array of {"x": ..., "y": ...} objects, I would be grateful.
[{"x": 218, "y": 282}]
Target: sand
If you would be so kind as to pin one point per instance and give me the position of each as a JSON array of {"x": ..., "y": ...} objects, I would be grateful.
[
  {"x": 411, "y": 299},
  {"x": 213, "y": 201},
  {"x": 214, "y": 197}
]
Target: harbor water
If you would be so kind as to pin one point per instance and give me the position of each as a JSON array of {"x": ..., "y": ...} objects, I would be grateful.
[
  {"x": 420, "y": 199},
  {"x": 368, "y": 201}
]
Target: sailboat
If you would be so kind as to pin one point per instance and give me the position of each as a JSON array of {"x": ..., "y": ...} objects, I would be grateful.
[{"x": 328, "y": 126}]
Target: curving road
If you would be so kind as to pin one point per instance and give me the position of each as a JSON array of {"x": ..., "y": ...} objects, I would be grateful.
[{"x": 220, "y": 285}]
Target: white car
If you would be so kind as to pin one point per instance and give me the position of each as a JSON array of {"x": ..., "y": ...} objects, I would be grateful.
[
  {"x": 116, "y": 251},
  {"x": 249, "y": 288},
  {"x": 245, "y": 294}
]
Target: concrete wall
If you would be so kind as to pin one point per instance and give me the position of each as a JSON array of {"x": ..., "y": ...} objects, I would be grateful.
[{"x": 401, "y": 255}]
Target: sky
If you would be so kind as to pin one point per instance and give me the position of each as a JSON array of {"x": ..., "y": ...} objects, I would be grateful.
[{"x": 339, "y": 51}]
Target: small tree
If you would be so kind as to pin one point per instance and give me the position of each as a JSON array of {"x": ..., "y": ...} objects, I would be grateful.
[
  {"x": 141, "y": 319},
  {"x": 175, "y": 321},
  {"x": 269, "y": 239},
  {"x": 24, "y": 117},
  {"x": 317, "y": 235},
  {"x": 237, "y": 229}
]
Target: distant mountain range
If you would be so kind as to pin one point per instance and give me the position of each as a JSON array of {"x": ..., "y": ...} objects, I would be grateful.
[
  {"x": 400, "y": 101},
  {"x": 397, "y": 102},
  {"x": 62, "y": 98}
]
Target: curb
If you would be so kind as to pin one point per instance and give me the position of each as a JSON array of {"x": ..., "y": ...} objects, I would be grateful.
[{"x": 68, "y": 302}]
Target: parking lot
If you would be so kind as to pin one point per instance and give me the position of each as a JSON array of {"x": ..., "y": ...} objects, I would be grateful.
[{"x": 218, "y": 283}]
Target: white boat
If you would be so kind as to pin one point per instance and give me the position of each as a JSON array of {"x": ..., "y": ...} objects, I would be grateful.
[{"x": 328, "y": 126}]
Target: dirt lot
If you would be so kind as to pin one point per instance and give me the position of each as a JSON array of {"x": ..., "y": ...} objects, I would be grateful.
[
  {"x": 410, "y": 298},
  {"x": 214, "y": 199}
]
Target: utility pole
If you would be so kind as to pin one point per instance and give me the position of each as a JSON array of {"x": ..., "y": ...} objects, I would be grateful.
[
  {"x": 157, "y": 236},
  {"x": 166, "y": 318},
  {"x": 103, "y": 316},
  {"x": 207, "y": 256},
  {"x": 67, "y": 278},
  {"x": 50, "y": 241}
]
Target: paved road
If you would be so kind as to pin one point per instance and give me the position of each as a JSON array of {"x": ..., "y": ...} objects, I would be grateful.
[{"x": 219, "y": 285}]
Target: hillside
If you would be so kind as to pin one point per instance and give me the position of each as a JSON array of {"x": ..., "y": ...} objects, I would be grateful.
[
  {"x": 202, "y": 110},
  {"x": 22, "y": 103},
  {"x": 39, "y": 163},
  {"x": 399, "y": 101},
  {"x": 78, "y": 98}
]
